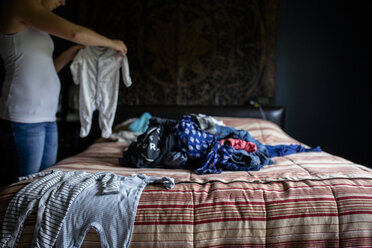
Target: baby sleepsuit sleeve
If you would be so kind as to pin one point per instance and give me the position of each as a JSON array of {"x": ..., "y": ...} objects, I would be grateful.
[{"x": 97, "y": 71}]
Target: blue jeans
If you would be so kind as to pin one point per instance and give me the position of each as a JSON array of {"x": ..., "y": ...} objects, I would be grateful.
[{"x": 27, "y": 147}]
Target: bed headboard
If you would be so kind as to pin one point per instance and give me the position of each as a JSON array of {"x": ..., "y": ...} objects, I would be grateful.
[{"x": 272, "y": 113}]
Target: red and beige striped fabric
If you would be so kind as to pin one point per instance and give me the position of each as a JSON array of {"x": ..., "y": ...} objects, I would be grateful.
[{"x": 302, "y": 200}]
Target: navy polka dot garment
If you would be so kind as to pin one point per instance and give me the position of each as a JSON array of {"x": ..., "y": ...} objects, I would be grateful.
[{"x": 201, "y": 145}]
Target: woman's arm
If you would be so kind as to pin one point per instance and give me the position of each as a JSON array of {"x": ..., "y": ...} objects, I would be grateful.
[
  {"x": 32, "y": 13},
  {"x": 66, "y": 56}
]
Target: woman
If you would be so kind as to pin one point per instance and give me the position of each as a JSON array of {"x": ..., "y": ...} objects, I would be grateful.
[{"x": 30, "y": 91}]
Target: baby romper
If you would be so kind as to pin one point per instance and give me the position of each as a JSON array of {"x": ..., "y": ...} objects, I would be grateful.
[
  {"x": 51, "y": 196},
  {"x": 97, "y": 71},
  {"x": 111, "y": 215}
]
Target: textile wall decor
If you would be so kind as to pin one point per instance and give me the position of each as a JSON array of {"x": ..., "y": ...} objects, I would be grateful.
[{"x": 194, "y": 52}]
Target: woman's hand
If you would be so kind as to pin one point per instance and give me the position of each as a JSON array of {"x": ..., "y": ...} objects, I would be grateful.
[
  {"x": 73, "y": 50},
  {"x": 119, "y": 46}
]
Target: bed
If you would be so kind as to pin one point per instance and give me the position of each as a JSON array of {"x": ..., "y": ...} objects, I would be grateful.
[{"x": 308, "y": 199}]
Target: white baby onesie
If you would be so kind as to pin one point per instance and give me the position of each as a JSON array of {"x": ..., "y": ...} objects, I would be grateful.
[{"x": 97, "y": 70}]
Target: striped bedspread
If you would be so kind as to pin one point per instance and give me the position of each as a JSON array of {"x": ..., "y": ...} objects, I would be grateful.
[{"x": 310, "y": 199}]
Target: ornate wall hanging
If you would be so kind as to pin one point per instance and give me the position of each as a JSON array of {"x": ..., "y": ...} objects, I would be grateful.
[{"x": 194, "y": 52}]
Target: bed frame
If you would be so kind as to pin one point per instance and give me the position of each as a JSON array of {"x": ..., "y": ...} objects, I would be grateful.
[{"x": 272, "y": 113}]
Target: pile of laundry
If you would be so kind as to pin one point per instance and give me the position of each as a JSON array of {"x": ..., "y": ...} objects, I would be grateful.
[{"x": 202, "y": 143}]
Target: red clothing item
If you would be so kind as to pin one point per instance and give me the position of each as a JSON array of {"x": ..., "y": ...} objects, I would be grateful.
[{"x": 239, "y": 144}]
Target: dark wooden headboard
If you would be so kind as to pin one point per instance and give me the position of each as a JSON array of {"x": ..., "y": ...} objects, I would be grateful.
[{"x": 272, "y": 113}]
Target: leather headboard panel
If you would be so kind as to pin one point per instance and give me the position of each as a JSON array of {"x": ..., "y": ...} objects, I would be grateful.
[{"x": 274, "y": 113}]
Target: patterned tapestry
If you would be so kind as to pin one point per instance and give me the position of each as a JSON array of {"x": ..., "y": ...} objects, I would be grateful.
[{"x": 191, "y": 52}]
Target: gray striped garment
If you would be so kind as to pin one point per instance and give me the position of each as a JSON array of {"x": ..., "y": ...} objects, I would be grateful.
[
  {"x": 51, "y": 196},
  {"x": 111, "y": 215}
]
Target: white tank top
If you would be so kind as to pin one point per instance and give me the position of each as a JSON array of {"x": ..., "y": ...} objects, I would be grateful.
[{"x": 31, "y": 87}]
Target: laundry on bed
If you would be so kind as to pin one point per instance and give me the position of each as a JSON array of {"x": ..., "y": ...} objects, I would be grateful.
[
  {"x": 92, "y": 209},
  {"x": 283, "y": 150},
  {"x": 60, "y": 195},
  {"x": 207, "y": 123},
  {"x": 200, "y": 145},
  {"x": 174, "y": 143},
  {"x": 46, "y": 196},
  {"x": 121, "y": 132},
  {"x": 150, "y": 147},
  {"x": 240, "y": 144},
  {"x": 141, "y": 124}
]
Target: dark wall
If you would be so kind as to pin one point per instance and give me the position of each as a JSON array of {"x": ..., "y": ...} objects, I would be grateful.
[{"x": 323, "y": 75}]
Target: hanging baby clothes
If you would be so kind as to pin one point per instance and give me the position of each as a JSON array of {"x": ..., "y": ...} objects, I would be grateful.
[{"x": 97, "y": 71}]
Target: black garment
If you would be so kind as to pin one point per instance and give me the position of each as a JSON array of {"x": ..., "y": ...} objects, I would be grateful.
[{"x": 150, "y": 148}]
